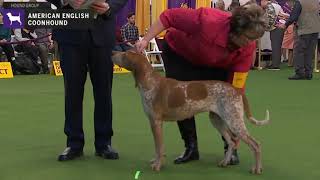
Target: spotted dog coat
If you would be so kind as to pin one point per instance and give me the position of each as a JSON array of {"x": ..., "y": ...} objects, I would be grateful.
[{"x": 166, "y": 99}]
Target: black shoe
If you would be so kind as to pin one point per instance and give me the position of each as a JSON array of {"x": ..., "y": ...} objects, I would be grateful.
[
  {"x": 296, "y": 77},
  {"x": 190, "y": 154},
  {"x": 273, "y": 68},
  {"x": 107, "y": 153},
  {"x": 70, "y": 154},
  {"x": 309, "y": 77},
  {"x": 234, "y": 158}
]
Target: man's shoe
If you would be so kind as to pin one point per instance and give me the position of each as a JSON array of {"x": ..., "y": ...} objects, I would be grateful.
[
  {"x": 273, "y": 68},
  {"x": 70, "y": 154},
  {"x": 190, "y": 154},
  {"x": 107, "y": 153},
  {"x": 296, "y": 77}
]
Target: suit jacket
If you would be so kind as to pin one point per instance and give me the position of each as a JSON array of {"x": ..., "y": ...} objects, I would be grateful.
[{"x": 102, "y": 32}]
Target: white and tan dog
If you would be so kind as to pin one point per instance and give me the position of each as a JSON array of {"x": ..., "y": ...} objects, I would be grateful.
[{"x": 166, "y": 99}]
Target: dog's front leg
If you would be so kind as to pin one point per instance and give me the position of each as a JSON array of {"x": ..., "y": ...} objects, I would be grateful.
[{"x": 156, "y": 127}]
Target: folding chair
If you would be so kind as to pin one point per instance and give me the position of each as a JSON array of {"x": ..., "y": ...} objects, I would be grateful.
[
  {"x": 261, "y": 55},
  {"x": 154, "y": 53}
]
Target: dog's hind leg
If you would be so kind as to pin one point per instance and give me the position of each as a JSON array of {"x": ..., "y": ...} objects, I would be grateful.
[
  {"x": 256, "y": 149},
  {"x": 237, "y": 126},
  {"x": 231, "y": 146},
  {"x": 218, "y": 123}
]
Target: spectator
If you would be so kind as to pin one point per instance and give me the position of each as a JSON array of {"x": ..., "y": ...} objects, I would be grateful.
[
  {"x": 273, "y": 10},
  {"x": 184, "y": 5},
  {"x": 234, "y": 4},
  {"x": 306, "y": 14},
  {"x": 288, "y": 38},
  {"x": 119, "y": 45},
  {"x": 29, "y": 48},
  {"x": 220, "y": 5},
  {"x": 129, "y": 32},
  {"x": 44, "y": 45}
]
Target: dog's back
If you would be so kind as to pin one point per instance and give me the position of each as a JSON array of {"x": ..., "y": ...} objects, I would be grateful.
[{"x": 182, "y": 99}]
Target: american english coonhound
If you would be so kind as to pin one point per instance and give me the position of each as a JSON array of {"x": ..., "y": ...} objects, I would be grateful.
[{"x": 166, "y": 99}]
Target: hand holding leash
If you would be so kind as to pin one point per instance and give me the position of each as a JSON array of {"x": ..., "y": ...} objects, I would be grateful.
[{"x": 141, "y": 45}]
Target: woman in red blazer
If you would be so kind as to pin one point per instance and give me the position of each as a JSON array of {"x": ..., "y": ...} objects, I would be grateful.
[{"x": 207, "y": 44}]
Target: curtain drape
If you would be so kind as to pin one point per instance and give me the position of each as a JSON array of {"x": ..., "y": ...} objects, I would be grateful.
[
  {"x": 203, "y": 3},
  {"x": 142, "y": 15},
  {"x": 157, "y": 7},
  {"x": 121, "y": 18}
]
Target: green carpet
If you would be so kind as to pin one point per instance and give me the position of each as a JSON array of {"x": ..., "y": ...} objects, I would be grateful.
[{"x": 32, "y": 119}]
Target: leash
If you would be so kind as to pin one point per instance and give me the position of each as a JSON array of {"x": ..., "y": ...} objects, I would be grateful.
[
  {"x": 26, "y": 41},
  {"x": 125, "y": 42}
]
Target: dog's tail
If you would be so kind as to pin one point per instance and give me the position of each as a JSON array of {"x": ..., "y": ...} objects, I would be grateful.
[{"x": 250, "y": 116}]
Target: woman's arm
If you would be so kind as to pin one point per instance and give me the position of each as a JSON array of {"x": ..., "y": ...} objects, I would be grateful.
[
  {"x": 154, "y": 30},
  {"x": 186, "y": 20},
  {"x": 295, "y": 13}
]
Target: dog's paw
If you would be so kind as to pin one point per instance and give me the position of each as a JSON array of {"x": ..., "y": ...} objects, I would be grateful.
[
  {"x": 156, "y": 165},
  {"x": 223, "y": 164},
  {"x": 162, "y": 159},
  {"x": 255, "y": 170}
]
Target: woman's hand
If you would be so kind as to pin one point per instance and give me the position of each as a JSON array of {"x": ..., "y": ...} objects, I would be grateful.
[{"x": 141, "y": 45}]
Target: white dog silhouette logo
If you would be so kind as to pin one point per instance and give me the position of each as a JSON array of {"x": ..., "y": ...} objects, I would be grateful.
[{"x": 13, "y": 18}]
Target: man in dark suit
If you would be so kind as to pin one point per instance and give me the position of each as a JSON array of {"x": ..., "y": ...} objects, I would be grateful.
[{"x": 83, "y": 51}]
